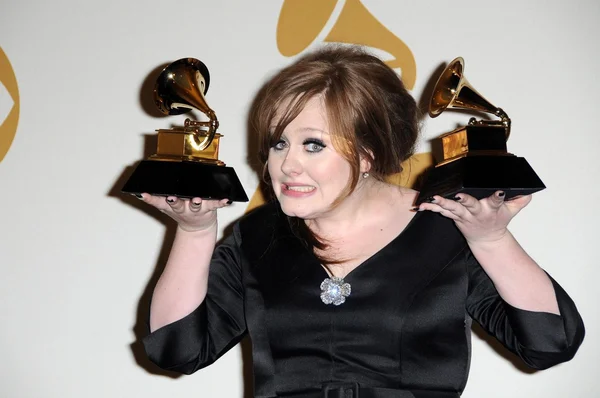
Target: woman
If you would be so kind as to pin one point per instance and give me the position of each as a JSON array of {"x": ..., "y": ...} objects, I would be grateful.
[{"x": 342, "y": 286}]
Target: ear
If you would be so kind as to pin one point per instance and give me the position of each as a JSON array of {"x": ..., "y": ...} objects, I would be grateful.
[{"x": 365, "y": 162}]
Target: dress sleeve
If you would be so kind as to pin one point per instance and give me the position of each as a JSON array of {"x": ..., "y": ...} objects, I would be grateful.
[
  {"x": 540, "y": 339},
  {"x": 219, "y": 323}
]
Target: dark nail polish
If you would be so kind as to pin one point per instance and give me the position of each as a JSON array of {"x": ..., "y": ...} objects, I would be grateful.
[
  {"x": 171, "y": 200},
  {"x": 196, "y": 203},
  {"x": 137, "y": 195},
  {"x": 415, "y": 208},
  {"x": 229, "y": 202},
  {"x": 501, "y": 194},
  {"x": 457, "y": 198},
  {"x": 430, "y": 199}
]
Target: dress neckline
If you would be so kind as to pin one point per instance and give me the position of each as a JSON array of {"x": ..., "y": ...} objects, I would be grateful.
[{"x": 372, "y": 256}]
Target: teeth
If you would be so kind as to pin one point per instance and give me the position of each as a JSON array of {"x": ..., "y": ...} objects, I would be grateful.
[{"x": 303, "y": 188}]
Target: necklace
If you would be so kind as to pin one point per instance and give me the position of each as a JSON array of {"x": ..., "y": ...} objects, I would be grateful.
[{"x": 334, "y": 290}]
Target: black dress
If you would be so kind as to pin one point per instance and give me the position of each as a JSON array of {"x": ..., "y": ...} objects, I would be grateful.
[{"x": 403, "y": 332}]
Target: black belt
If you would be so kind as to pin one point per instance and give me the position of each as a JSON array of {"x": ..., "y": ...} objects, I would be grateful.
[{"x": 353, "y": 390}]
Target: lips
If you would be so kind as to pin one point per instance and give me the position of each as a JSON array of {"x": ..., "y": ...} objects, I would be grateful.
[{"x": 297, "y": 190}]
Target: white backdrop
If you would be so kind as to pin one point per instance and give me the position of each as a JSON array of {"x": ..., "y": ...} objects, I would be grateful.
[{"x": 76, "y": 259}]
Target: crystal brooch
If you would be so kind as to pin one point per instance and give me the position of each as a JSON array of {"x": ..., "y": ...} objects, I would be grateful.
[{"x": 334, "y": 291}]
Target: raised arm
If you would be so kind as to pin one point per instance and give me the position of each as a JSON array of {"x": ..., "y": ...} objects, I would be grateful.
[
  {"x": 183, "y": 283},
  {"x": 197, "y": 310},
  {"x": 509, "y": 294},
  {"x": 518, "y": 279}
]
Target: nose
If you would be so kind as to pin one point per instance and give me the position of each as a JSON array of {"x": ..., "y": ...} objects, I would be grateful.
[{"x": 291, "y": 165}]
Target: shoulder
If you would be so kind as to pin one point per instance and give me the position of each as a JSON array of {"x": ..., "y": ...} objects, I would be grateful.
[
  {"x": 432, "y": 231},
  {"x": 262, "y": 218},
  {"x": 257, "y": 230},
  {"x": 426, "y": 225}
]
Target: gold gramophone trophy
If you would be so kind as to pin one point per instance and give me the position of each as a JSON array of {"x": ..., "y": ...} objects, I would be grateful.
[
  {"x": 186, "y": 162},
  {"x": 475, "y": 159}
]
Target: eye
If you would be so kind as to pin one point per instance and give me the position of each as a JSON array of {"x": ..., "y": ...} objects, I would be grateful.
[
  {"x": 314, "y": 145},
  {"x": 279, "y": 145}
]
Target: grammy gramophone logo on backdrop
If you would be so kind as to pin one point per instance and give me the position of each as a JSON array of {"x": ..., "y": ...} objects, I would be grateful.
[
  {"x": 9, "y": 104},
  {"x": 302, "y": 23}
]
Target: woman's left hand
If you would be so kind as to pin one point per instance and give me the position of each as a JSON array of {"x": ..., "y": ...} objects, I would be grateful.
[{"x": 480, "y": 221}]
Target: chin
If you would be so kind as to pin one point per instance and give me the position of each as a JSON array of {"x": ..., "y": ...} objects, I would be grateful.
[
  {"x": 303, "y": 212},
  {"x": 293, "y": 211}
]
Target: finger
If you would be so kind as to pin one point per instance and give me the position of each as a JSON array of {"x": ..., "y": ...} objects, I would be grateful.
[
  {"x": 435, "y": 208},
  {"x": 195, "y": 204},
  {"x": 213, "y": 205},
  {"x": 496, "y": 200},
  {"x": 523, "y": 199},
  {"x": 176, "y": 204},
  {"x": 156, "y": 201},
  {"x": 451, "y": 206},
  {"x": 517, "y": 203},
  {"x": 469, "y": 202}
]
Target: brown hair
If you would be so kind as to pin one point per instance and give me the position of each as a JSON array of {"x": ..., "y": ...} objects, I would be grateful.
[{"x": 370, "y": 113}]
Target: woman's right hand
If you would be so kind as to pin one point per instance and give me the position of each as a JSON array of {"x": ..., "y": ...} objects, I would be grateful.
[{"x": 191, "y": 215}]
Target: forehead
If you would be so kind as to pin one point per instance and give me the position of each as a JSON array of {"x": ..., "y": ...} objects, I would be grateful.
[{"x": 312, "y": 116}]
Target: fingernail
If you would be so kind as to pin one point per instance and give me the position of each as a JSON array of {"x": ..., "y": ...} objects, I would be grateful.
[
  {"x": 431, "y": 199},
  {"x": 229, "y": 202},
  {"x": 416, "y": 208},
  {"x": 196, "y": 203},
  {"x": 501, "y": 194},
  {"x": 457, "y": 198},
  {"x": 170, "y": 200},
  {"x": 137, "y": 195}
]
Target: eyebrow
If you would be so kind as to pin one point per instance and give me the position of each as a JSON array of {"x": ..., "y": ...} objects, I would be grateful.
[
  {"x": 303, "y": 130},
  {"x": 312, "y": 129}
]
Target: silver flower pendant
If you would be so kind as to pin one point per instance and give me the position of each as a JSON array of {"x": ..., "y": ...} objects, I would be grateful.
[{"x": 334, "y": 290}]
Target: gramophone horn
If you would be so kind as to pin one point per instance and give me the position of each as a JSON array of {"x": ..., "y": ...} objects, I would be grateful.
[
  {"x": 181, "y": 87},
  {"x": 453, "y": 91}
]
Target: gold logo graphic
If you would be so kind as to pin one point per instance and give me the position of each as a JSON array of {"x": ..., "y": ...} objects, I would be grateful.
[
  {"x": 302, "y": 21},
  {"x": 9, "y": 104}
]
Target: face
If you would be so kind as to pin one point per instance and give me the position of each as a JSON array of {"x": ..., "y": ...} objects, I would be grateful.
[{"x": 307, "y": 173}]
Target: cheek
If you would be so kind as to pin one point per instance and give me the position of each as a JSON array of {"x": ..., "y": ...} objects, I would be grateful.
[
  {"x": 334, "y": 175},
  {"x": 273, "y": 171},
  {"x": 341, "y": 170},
  {"x": 271, "y": 164}
]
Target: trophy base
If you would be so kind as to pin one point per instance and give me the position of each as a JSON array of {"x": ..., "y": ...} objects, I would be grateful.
[
  {"x": 185, "y": 179},
  {"x": 480, "y": 177}
]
